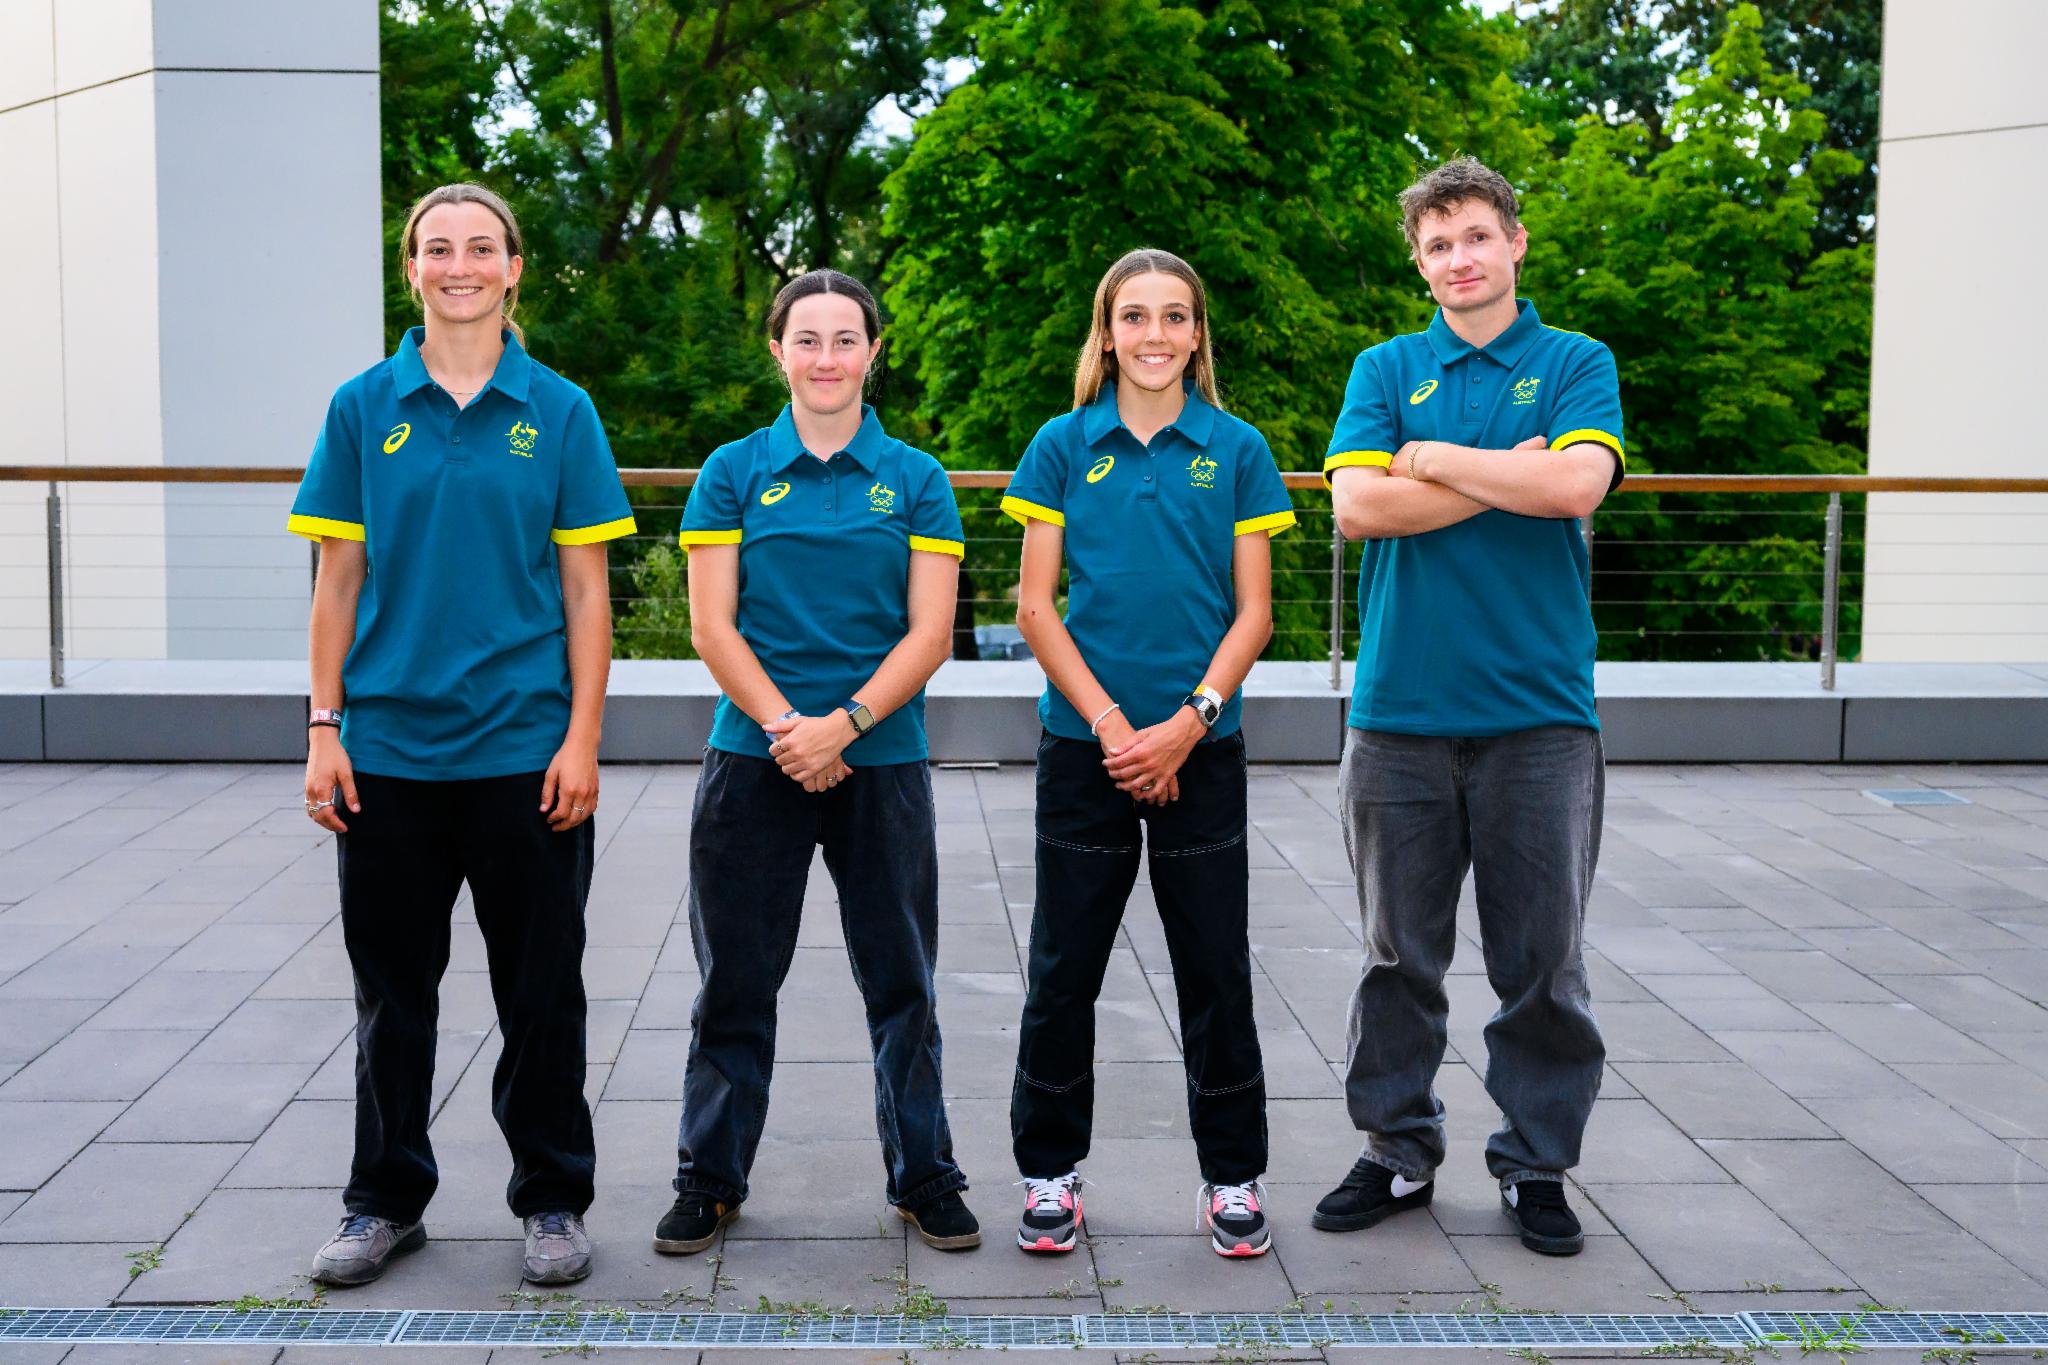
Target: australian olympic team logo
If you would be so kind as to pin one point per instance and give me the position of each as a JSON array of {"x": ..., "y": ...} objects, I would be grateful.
[
  {"x": 1101, "y": 469},
  {"x": 1524, "y": 392},
  {"x": 1202, "y": 472},
  {"x": 521, "y": 438},
  {"x": 397, "y": 437},
  {"x": 882, "y": 499},
  {"x": 776, "y": 493},
  {"x": 1421, "y": 393}
]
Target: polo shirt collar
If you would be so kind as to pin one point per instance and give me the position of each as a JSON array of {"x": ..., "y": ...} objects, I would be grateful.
[
  {"x": 785, "y": 447},
  {"x": 513, "y": 377},
  {"x": 1196, "y": 421},
  {"x": 1507, "y": 349}
]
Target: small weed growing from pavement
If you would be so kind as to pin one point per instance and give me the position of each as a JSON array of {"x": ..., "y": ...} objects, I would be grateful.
[
  {"x": 1702, "y": 1349},
  {"x": 1678, "y": 1297},
  {"x": 912, "y": 1300},
  {"x": 1949, "y": 1355},
  {"x": 1816, "y": 1340},
  {"x": 249, "y": 1303},
  {"x": 1531, "y": 1354},
  {"x": 143, "y": 1261},
  {"x": 1065, "y": 1291},
  {"x": 1759, "y": 1287}
]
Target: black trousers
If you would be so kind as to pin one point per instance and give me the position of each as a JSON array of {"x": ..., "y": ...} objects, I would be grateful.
[
  {"x": 403, "y": 862},
  {"x": 1088, "y": 850}
]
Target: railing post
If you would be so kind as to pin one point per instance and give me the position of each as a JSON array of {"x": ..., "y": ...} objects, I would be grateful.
[
  {"x": 1830, "y": 591},
  {"x": 54, "y": 530},
  {"x": 1586, "y": 534},
  {"x": 1336, "y": 607}
]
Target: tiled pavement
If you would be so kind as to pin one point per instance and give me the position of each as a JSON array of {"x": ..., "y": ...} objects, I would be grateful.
[{"x": 1828, "y": 1077}]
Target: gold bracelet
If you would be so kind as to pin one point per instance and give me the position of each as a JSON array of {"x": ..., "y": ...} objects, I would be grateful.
[{"x": 1415, "y": 458}]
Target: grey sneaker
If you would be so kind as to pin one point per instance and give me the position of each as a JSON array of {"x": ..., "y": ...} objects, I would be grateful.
[
  {"x": 557, "y": 1248},
  {"x": 362, "y": 1247}
]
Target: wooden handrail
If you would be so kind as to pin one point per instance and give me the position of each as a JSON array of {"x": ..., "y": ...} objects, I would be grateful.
[{"x": 1000, "y": 478}]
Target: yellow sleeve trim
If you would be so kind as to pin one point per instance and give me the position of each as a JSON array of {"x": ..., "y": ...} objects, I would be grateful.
[
  {"x": 955, "y": 548},
  {"x": 320, "y": 528},
  {"x": 1272, "y": 522},
  {"x": 591, "y": 535},
  {"x": 692, "y": 538},
  {"x": 1377, "y": 459},
  {"x": 1030, "y": 511},
  {"x": 1613, "y": 443}
]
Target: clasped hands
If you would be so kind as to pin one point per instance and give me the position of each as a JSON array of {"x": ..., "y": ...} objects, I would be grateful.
[
  {"x": 808, "y": 748},
  {"x": 1146, "y": 763}
]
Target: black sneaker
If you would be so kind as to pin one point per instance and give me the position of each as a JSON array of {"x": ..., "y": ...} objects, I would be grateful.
[
  {"x": 944, "y": 1222},
  {"x": 1548, "y": 1224},
  {"x": 692, "y": 1223},
  {"x": 1369, "y": 1193}
]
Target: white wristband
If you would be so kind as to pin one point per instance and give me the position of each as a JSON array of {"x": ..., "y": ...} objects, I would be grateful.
[{"x": 1113, "y": 706}]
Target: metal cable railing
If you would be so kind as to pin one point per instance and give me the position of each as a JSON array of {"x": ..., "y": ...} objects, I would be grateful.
[{"x": 1715, "y": 566}]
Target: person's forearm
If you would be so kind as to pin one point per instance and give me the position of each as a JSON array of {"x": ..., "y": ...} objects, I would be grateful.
[
  {"x": 1242, "y": 644},
  {"x": 1532, "y": 483},
  {"x": 738, "y": 672},
  {"x": 906, "y": 669},
  {"x": 1372, "y": 506},
  {"x": 331, "y": 632},
  {"x": 588, "y": 618},
  {"x": 1060, "y": 658}
]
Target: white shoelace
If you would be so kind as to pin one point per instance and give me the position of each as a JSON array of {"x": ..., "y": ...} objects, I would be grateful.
[
  {"x": 1048, "y": 1196},
  {"x": 1229, "y": 1201}
]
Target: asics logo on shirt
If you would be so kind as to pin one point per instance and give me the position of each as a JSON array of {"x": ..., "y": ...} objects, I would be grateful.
[
  {"x": 1421, "y": 393},
  {"x": 776, "y": 492},
  {"x": 1101, "y": 469},
  {"x": 397, "y": 437}
]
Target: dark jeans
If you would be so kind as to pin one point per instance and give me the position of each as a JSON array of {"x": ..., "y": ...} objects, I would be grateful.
[
  {"x": 1522, "y": 811},
  {"x": 751, "y": 836},
  {"x": 403, "y": 862},
  {"x": 1088, "y": 847}
]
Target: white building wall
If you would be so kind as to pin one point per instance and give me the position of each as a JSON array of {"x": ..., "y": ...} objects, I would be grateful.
[
  {"x": 1958, "y": 350},
  {"x": 200, "y": 185}
]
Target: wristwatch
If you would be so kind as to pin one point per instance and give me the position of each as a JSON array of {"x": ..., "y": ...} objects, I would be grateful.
[
  {"x": 862, "y": 718},
  {"x": 1207, "y": 703},
  {"x": 324, "y": 716}
]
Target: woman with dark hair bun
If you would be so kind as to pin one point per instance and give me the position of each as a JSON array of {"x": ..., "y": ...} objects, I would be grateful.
[{"x": 824, "y": 561}]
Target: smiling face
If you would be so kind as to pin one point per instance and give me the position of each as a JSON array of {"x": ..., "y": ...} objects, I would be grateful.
[
  {"x": 1466, "y": 257},
  {"x": 825, "y": 352},
  {"x": 1152, "y": 330},
  {"x": 459, "y": 265}
]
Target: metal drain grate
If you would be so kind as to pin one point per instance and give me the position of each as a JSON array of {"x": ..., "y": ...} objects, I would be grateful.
[
  {"x": 1919, "y": 1330},
  {"x": 600, "y": 1326}
]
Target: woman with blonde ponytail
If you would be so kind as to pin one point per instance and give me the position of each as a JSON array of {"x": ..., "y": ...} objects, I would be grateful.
[
  {"x": 462, "y": 495},
  {"x": 1160, "y": 505}
]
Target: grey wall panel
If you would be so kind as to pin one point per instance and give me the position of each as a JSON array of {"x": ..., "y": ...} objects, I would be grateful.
[
  {"x": 21, "y": 728},
  {"x": 1721, "y": 729},
  {"x": 643, "y": 728},
  {"x": 1946, "y": 730},
  {"x": 970, "y": 729},
  {"x": 1295, "y": 729},
  {"x": 127, "y": 727}
]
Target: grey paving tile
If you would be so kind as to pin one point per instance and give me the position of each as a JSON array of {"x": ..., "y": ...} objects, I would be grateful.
[
  {"x": 1713, "y": 1237},
  {"x": 650, "y": 1066},
  {"x": 28, "y": 1027},
  {"x": 122, "y": 1192},
  {"x": 211, "y": 1102},
  {"x": 2005, "y": 1100},
  {"x": 1809, "y": 1064},
  {"x": 2009, "y": 1219},
  {"x": 1919, "y": 1139},
  {"x": 1722, "y": 1099},
  {"x": 1653, "y": 1032},
  {"x": 42, "y": 1135},
  {"x": 1898, "y": 1247},
  {"x": 1609, "y": 1276},
  {"x": 1899, "y": 1031},
  {"x": 1655, "y": 950},
  {"x": 279, "y": 1031},
  {"x": 478, "y": 1275},
  {"x": 241, "y": 1242},
  {"x": 108, "y": 1064},
  {"x": 1970, "y": 1003},
  {"x": 309, "y": 1143},
  {"x": 862, "y": 1274},
  {"x": 65, "y": 1274},
  {"x": 181, "y": 1000},
  {"x": 1409, "y": 1252},
  {"x": 169, "y": 1353},
  {"x": 83, "y": 972},
  {"x": 1630, "y": 1142},
  {"x": 1182, "y": 1272},
  {"x": 1801, "y": 977}
]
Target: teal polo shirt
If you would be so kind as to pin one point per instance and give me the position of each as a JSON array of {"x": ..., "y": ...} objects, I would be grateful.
[
  {"x": 460, "y": 666},
  {"x": 1149, "y": 534},
  {"x": 825, "y": 548},
  {"x": 1482, "y": 628}
]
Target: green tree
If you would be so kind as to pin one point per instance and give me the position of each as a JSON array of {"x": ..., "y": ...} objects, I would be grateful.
[
  {"x": 1741, "y": 350},
  {"x": 1263, "y": 142}
]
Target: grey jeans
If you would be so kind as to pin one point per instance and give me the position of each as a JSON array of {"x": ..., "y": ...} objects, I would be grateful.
[{"x": 1522, "y": 811}]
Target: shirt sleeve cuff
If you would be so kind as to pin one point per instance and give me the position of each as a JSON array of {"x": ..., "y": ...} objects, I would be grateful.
[
  {"x": 324, "y": 528},
  {"x": 591, "y": 535},
  {"x": 1025, "y": 512},
  {"x": 1272, "y": 523},
  {"x": 1378, "y": 459},
  {"x": 690, "y": 539},
  {"x": 1596, "y": 437},
  {"x": 955, "y": 548}
]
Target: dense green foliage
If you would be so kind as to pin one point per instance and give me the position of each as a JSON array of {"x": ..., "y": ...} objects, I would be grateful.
[{"x": 1691, "y": 201}]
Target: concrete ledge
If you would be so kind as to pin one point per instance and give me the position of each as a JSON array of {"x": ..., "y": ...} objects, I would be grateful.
[{"x": 660, "y": 711}]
